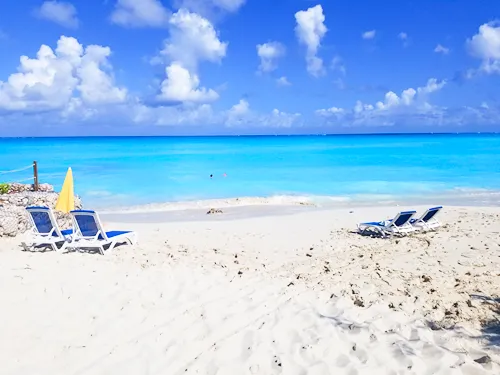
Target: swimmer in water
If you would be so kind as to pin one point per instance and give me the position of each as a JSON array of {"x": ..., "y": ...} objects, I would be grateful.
[{"x": 211, "y": 175}]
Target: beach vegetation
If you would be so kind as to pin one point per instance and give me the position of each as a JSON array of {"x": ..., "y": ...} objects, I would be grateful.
[{"x": 4, "y": 188}]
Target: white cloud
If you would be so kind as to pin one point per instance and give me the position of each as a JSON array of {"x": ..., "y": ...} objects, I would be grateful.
[
  {"x": 268, "y": 54},
  {"x": 55, "y": 79},
  {"x": 441, "y": 49},
  {"x": 283, "y": 81},
  {"x": 140, "y": 13},
  {"x": 240, "y": 114},
  {"x": 279, "y": 119},
  {"x": 184, "y": 114},
  {"x": 432, "y": 85},
  {"x": 329, "y": 111},
  {"x": 360, "y": 107},
  {"x": 96, "y": 86},
  {"x": 486, "y": 46},
  {"x": 338, "y": 64},
  {"x": 310, "y": 29},
  {"x": 410, "y": 100},
  {"x": 241, "y": 108},
  {"x": 369, "y": 34},
  {"x": 409, "y": 96},
  {"x": 60, "y": 12},
  {"x": 182, "y": 86},
  {"x": 192, "y": 39}
]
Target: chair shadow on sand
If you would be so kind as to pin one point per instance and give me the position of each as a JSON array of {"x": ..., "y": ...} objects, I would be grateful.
[
  {"x": 44, "y": 248},
  {"x": 93, "y": 250}
]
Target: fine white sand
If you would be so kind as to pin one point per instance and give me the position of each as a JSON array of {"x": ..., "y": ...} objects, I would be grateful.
[{"x": 297, "y": 294}]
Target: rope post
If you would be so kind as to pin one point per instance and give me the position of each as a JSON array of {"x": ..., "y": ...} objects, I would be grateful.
[{"x": 35, "y": 176}]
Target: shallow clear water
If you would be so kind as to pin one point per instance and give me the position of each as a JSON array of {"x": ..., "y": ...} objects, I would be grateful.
[{"x": 112, "y": 171}]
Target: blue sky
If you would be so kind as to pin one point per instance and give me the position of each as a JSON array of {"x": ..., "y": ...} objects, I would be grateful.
[{"x": 125, "y": 67}]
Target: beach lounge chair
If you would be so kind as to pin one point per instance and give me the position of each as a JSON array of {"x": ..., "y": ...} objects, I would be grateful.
[
  {"x": 88, "y": 232},
  {"x": 400, "y": 225},
  {"x": 45, "y": 230},
  {"x": 428, "y": 220}
]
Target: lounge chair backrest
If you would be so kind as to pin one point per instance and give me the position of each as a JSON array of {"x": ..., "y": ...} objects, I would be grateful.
[
  {"x": 43, "y": 221},
  {"x": 403, "y": 217},
  {"x": 87, "y": 224},
  {"x": 430, "y": 213}
]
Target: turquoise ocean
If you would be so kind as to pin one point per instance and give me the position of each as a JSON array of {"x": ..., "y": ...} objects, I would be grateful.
[{"x": 128, "y": 171}]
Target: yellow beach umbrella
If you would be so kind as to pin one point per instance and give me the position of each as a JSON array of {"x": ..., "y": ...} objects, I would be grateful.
[{"x": 66, "y": 201}]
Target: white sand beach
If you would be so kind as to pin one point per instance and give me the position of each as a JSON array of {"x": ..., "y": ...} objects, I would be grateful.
[{"x": 252, "y": 291}]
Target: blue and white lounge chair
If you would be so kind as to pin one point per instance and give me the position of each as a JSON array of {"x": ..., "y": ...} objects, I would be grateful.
[
  {"x": 400, "y": 225},
  {"x": 428, "y": 220},
  {"x": 90, "y": 233},
  {"x": 45, "y": 230}
]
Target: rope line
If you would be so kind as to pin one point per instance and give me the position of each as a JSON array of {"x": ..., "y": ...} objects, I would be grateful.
[{"x": 17, "y": 170}]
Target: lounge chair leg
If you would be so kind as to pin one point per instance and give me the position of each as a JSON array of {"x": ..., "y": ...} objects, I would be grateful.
[
  {"x": 63, "y": 246},
  {"x": 132, "y": 240},
  {"x": 26, "y": 247},
  {"x": 101, "y": 250}
]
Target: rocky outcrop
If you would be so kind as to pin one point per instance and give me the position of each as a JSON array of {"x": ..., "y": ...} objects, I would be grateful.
[
  {"x": 14, "y": 219},
  {"x": 21, "y": 188}
]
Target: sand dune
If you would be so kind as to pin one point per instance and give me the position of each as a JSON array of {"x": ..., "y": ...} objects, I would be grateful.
[{"x": 293, "y": 294}]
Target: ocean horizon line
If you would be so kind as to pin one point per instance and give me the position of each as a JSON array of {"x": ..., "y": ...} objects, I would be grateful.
[{"x": 255, "y": 135}]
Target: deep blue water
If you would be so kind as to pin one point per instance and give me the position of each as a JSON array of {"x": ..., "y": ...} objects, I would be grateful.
[{"x": 112, "y": 171}]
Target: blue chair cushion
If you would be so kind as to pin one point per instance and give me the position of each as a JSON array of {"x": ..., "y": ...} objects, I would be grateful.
[
  {"x": 66, "y": 232},
  {"x": 114, "y": 233}
]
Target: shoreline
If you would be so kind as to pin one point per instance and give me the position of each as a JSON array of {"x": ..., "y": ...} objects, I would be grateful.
[{"x": 469, "y": 198}]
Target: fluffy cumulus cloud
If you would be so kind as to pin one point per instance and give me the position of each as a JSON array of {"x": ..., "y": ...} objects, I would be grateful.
[
  {"x": 369, "y": 34},
  {"x": 60, "y": 12},
  {"x": 65, "y": 78},
  {"x": 193, "y": 39},
  {"x": 183, "y": 86},
  {"x": 410, "y": 102},
  {"x": 441, "y": 49},
  {"x": 238, "y": 113},
  {"x": 269, "y": 53},
  {"x": 410, "y": 97},
  {"x": 310, "y": 29},
  {"x": 143, "y": 13},
  {"x": 485, "y": 45}
]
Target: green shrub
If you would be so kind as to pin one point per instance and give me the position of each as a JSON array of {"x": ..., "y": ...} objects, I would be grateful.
[{"x": 4, "y": 188}]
